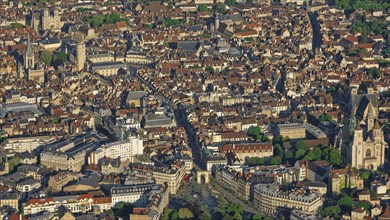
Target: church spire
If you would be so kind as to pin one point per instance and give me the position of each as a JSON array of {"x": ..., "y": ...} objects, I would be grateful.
[{"x": 29, "y": 56}]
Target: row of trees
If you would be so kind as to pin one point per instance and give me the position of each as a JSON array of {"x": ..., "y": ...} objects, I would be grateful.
[
  {"x": 182, "y": 213},
  {"x": 302, "y": 151},
  {"x": 299, "y": 152},
  {"x": 373, "y": 73},
  {"x": 219, "y": 8},
  {"x": 231, "y": 210},
  {"x": 361, "y": 25},
  {"x": 256, "y": 134},
  {"x": 99, "y": 20},
  {"x": 351, "y": 5},
  {"x": 171, "y": 22},
  {"x": 345, "y": 204},
  {"x": 55, "y": 59}
]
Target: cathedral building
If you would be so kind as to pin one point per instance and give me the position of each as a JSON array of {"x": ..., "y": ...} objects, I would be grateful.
[
  {"x": 32, "y": 71},
  {"x": 51, "y": 21},
  {"x": 362, "y": 140}
]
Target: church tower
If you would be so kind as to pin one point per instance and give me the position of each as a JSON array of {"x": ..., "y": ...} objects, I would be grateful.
[
  {"x": 357, "y": 146},
  {"x": 216, "y": 22},
  {"x": 29, "y": 56},
  {"x": 80, "y": 56},
  {"x": 379, "y": 143}
]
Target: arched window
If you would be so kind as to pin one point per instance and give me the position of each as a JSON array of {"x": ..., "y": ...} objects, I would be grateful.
[{"x": 368, "y": 153}]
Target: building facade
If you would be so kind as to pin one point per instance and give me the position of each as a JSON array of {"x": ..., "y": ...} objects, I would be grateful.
[
  {"x": 75, "y": 204},
  {"x": 271, "y": 200},
  {"x": 125, "y": 150},
  {"x": 61, "y": 161},
  {"x": 362, "y": 140}
]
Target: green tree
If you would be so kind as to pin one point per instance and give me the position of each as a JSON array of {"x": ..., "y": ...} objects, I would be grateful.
[
  {"x": 228, "y": 210},
  {"x": 210, "y": 69},
  {"x": 124, "y": 209},
  {"x": 231, "y": 2},
  {"x": 166, "y": 214},
  {"x": 254, "y": 131},
  {"x": 185, "y": 213},
  {"x": 313, "y": 155},
  {"x": 257, "y": 217},
  {"x": 46, "y": 57},
  {"x": 252, "y": 161},
  {"x": 301, "y": 145},
  {"x": 365, "y": 174},
  {"x": 202, "y": 8},
  {"x": 289, "y": 155},
  {"x": 170, "y": 22},
  {"x": 56, "y": 120},
  {"x": 150, "y": 26},
  {"x": 331, "y": 211},
  {"x": 205, "y": 215},
  {"x": 278, "y": 150},
  {"x": 275, "y": 160},
  {"x": 299, "y": 154},
  {"x": 81, "y": 9},
  {"x": 335, "y": 157},
  {"x": 15, "y": 161},
  {"x": 175, "y": 215},
  {"x": 366, "y": 205},
  {"x": 220, "y": 8},
  {"x": 60, "y": 58},
  {"x": 345, "y": 203},
  {"x": 373, "y": 73},
  {"x": 324, "y": 117},
  {"x": 17, "y": 25},
  {"x": 260, "y": 161}
]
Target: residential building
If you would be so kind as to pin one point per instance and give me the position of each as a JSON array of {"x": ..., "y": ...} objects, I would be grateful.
[
  {"x": 74, "y": 203},
  {"x": 271, "y": 200},
  {"x": 292, "y": 130},
  {"x": 172, "y": 176},
  {"x": 9, "y": 199},
  {"x": 245, "y": 150},
  {"x": 344, "y": 178},
  {"x": 125, "y": 150}
]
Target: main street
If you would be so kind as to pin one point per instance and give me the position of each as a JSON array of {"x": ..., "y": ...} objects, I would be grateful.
[{"x": 181, "y": 118}]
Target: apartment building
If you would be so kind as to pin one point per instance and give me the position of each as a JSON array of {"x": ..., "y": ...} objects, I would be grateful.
[
  {"x": 100, "y": 56},
  {"x": 61, "y": 161},
  {"x": 157, "y": 201},
  {"x": 136, "y": 194},
  {"x": 344, "y": 178},
  {"x": 125, "y": 150},
  {"x": 244, "y": 150},
  {"x": 74, "y": 203},
  {"x": 56, "y": 182},
  {"x": 9, "y": 199},
  {"x": 23, "y": 144},
  {"x": 271, "y": 200},
  {"x": 106, "y": 68},
  {"x": 172, "y": 176},
  {"x": 291, "y": 130}
]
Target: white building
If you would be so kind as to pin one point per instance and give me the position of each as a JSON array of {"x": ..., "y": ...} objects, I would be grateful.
[
  {"x": 131, "y": 194},
  {"x": 28, "y": 185},
  {"x": 26, "y": 143},
  {"x": 74, "y": 203},
  {"x": 126, "y": 150}
]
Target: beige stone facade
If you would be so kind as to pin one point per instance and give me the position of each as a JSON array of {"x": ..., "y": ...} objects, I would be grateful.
[{"x": 271, "y": 200}]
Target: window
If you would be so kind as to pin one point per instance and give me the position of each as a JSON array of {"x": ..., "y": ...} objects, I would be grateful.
[{"x": 368, "y": 153}]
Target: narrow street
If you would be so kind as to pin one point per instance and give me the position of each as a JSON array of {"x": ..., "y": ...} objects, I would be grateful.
[{"x": 317, "y": 37}]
